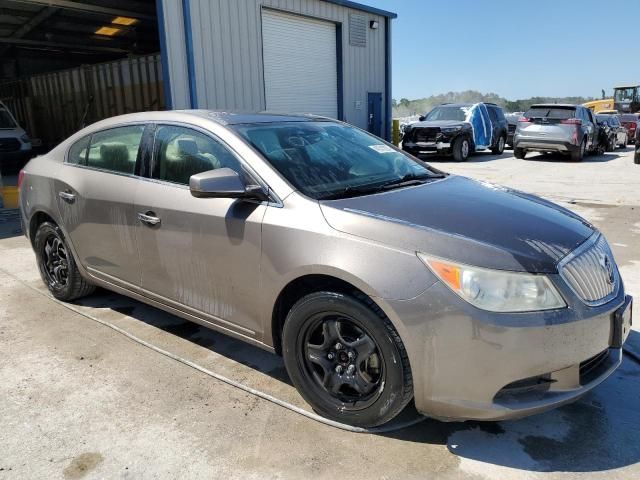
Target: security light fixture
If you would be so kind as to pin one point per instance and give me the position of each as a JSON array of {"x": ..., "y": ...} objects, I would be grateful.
[
  {"x": 373, "y": 24},
  {"x": 126, "y": 21},
  {"x": 108, "y": 31}
]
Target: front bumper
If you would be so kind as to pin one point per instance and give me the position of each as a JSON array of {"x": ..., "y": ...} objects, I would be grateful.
[{"x": 469, "y": 364}]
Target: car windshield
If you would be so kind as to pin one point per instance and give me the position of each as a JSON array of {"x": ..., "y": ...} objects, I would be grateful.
[
  {"x": 329, "y": 160},
  {"x": 602, "y": 118},
  {"x": 550, "y": 112},
  {"x": 5, "y": 120},
  {"x": 448, "y": 113}
]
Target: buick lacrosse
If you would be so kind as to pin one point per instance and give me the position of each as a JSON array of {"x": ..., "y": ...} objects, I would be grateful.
[{"x": 378, "y": 278}]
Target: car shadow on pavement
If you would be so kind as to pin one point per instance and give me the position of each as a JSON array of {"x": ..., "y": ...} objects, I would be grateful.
[
  {"x": 593, "y": 158},
  {"x": 599, "y": 432},
  {"x": 231, "y": 348}
]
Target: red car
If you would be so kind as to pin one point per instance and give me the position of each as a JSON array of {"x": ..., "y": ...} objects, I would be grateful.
[{"x": 630, "y": 121}]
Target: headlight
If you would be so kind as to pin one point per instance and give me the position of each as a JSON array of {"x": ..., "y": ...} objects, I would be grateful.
[
  {"x": 496, "y": 290},
  {"x": 451, "y": 129},
  {"x": 25, "y": 138}
]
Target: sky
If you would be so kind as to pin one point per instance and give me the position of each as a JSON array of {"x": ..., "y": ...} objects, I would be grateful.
[{"x": 517, "y": 49}]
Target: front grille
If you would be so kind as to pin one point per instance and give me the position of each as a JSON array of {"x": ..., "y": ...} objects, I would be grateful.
[
  {"x": 591, "y": 272},
  {"x": 9, "y": 145},
  {"x": 426, "y": 134}
]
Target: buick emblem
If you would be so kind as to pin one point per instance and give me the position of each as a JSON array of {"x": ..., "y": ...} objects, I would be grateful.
[{"x": 607, "y": 266}]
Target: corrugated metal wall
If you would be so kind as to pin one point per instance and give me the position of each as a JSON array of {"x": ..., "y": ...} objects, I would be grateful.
[{"x": 226, "y": 37}]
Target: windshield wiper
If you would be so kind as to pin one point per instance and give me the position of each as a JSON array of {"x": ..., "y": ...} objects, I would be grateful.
[
  {"x": 349, "y": 191},
  {"x": 410, "y": 179},
  {"x": 404, "y": 181}
]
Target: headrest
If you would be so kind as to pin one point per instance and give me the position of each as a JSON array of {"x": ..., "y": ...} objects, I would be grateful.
[
  {"x": 187, "y": 146},
  {"x": 114, "y": 153}
]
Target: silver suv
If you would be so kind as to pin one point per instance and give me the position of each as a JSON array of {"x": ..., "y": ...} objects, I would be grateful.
[
  {"x": 377, "y": 277},
  {"x": 567, "y": 129}
]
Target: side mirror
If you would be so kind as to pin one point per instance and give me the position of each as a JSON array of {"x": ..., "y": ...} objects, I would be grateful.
[
  {"x": 422, "y": 118},
  {"x": 223, "y": 183}
]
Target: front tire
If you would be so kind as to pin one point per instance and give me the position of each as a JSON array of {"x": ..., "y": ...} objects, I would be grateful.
[
  {"x": 519, "y": 153},
  {"x": 346, "y": 359},
  {"x": 461, "y": 149},
  {"x": 57, "y": 266}
]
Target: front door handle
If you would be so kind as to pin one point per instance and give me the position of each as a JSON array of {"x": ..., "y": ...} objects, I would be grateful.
[
  {"x": 149, "y": 218},
  {"x": 67, "y": 196}
]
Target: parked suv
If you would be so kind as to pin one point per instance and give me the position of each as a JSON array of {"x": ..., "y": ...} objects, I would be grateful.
[
  {"x": 15, "y": 145},
  {"x": 567, "y": 129},
  {"x": 458, "y": 129},
  {"x": 636, "y": 158},
  {"x": 630, "y": 121}
]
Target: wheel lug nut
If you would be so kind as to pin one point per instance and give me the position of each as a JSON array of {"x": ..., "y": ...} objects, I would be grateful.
[
  {"x": 338, "y": 346},
  {"x": 330, "y": 356},
  {"x": 351, "y": 369},
  {"x": 339, "y": 369}
]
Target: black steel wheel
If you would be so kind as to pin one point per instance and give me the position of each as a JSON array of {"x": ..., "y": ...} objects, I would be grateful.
[
  {"x": 57, "y": 266},
  {"x": 346, "y": 359}
]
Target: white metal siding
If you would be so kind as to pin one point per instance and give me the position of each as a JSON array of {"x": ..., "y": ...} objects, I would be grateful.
[
  {"x": 227, "y": 53},
  {"x": 300, "y": 64}
]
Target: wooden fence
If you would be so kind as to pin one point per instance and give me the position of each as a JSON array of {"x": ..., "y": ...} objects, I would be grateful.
[{"x": 54, "y": 105}]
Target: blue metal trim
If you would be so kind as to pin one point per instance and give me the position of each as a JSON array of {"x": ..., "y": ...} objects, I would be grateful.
[
  {"x": 364, "y": 8},
  {"x": 188, "y": 38},
  {"x": 164, "y": 57},
  {"x": 387, "y": 79},
  {"x": 340, "y": 71}
]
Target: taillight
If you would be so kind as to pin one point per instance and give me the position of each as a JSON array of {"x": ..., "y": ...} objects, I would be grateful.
[
  {"x": 524, "y": 120},
  {"x": 571, "y": 121},
  {"x": 20, "y": 178}
]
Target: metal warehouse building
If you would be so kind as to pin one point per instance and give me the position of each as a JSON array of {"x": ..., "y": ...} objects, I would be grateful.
[
  {"x": 326, "y": 57},
  {"x": 65, "y": 64}
]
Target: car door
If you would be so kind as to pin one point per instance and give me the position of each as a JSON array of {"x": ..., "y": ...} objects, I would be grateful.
[
  {"x": 95, "y": 197},
  {"x": 495, "y": 124},
  {"x": 620, "y": 131},
  {"x": 200, "y": 255}
]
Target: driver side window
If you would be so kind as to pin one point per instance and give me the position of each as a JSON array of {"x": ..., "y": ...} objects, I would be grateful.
[{"x": 181, "y": 152}]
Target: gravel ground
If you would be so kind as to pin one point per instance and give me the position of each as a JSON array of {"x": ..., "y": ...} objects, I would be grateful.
[{"x": 80, "y": 400}]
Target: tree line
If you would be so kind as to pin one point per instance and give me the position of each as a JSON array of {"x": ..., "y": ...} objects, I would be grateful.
[{"x": 405, "y": 107}]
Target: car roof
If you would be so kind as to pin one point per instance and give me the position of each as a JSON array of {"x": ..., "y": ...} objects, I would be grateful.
[
  {"x": 235, "y": 118},
  {"x": 221, "y": 117},
  {"x": 554, "y": 105}
]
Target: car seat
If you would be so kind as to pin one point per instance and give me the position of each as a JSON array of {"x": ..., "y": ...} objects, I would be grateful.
[{"x": 115, "y": 156}]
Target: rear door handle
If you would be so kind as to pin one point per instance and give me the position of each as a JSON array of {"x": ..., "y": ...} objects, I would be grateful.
[
  {"x": 148, "y": 218},
  {"x": 67, "y": 196}
]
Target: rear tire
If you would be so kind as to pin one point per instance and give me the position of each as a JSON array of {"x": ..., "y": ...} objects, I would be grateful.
[
  {"x": 499, "y": 148},
  {"x": 346, "y": 359},
  {"x": 461, "y": 149},
  {"x": 57, "y": 266},
  {"x": 578, "y": 155},
  {"x": 519, "y": 153}
]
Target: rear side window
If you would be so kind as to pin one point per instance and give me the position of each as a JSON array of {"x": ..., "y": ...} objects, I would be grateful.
[
  {"x": 116, "y": 149},
  {"x": 181, "y": 152},
  {"x": 78, "y": 152},
  {"x": 551, "y": 112}
]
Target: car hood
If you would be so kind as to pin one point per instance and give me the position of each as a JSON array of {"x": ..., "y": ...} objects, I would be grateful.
[
  {"x": 467, "y": 221},
  {"x": 11, "y": 132},
  {"x": 439, "y": 123}
]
